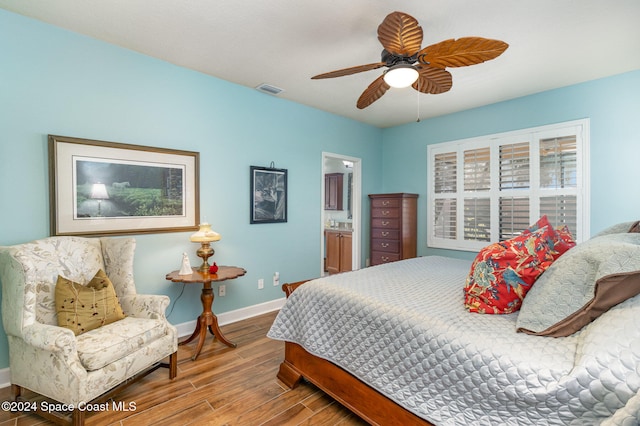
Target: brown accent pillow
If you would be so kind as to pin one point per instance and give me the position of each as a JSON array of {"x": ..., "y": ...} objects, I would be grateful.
[
  {"x": 609, "y": 291},
  {"x": 82, "y": 308}
]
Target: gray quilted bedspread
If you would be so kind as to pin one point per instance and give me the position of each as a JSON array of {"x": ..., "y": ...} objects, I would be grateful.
[{"x": 402, "y": 328}]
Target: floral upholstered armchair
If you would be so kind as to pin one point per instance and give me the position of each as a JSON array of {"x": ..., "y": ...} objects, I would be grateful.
[{"x": 75, "y": 368}]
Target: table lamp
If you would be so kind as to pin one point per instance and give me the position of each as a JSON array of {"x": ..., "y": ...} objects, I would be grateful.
[{"x": 205, "y": 236}]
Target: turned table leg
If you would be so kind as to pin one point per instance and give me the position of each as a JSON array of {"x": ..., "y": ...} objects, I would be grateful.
[{"x": 206, "y": 320}]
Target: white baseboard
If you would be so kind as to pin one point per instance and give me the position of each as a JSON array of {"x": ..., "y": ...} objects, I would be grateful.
[{"x": 186, "y": 328}]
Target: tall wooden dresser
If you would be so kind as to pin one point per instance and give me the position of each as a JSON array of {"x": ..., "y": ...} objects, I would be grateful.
[{"x": 394, "y": 227}]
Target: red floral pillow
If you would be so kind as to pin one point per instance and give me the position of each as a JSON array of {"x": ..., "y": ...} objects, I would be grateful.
[
  {"x": 560, "y": 240},
  {"x": 502, "y": 273},
  {"x": 567, "y": 240}
]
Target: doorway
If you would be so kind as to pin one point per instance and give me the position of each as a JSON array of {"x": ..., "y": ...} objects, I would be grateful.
[{"x": 347, "y": 214}]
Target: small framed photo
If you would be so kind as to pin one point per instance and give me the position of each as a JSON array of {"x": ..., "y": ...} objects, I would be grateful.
[
  {"x": 109, "y": 188},
  {"x": 268, "y": 195}
]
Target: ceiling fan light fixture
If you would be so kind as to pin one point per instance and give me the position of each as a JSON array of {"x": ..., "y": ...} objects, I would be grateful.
[
  {"x": 409, "y": 64},
  {"x": 401, "y": 75}
]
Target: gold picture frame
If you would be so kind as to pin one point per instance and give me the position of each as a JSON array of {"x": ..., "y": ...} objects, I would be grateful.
[{"x": 110, "y": 188}]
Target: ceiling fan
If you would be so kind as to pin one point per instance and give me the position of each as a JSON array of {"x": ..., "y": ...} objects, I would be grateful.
[{"x": 423, "y": 69}]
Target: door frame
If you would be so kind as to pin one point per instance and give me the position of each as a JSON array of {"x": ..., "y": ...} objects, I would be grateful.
[{"x": 356, "y": 209}]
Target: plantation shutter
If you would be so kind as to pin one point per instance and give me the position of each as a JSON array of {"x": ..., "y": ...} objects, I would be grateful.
[
  {"x": 445, "y": 174},
  {"x": 561, "y": 210},
  {"x": 558, "y": 163},
  {"x": 514, "y": 166},
  {"x": 514, "y": 216},
  {"x": 445, "y": 182},
  {"x": 493, "y": 187},
  {"x": 445, "y": 219},
  {"x": 477, "y": 219},
  {"x": 477, "y": 181},
  {"x": 558, "y": 173},
  {"x": 477, "y": 169}
]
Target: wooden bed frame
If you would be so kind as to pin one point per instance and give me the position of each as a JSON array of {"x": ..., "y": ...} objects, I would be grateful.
[{"x": 363, "y": 400}]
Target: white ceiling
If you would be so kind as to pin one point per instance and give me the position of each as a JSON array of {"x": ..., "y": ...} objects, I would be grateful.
[{"x": 552, "y": 43}]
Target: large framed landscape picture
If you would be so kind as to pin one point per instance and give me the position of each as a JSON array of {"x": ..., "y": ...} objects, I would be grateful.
[{"x": 109, "y": 188}]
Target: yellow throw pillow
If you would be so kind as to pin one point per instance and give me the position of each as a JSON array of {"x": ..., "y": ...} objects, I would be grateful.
[{"x": 81, "y": 308}]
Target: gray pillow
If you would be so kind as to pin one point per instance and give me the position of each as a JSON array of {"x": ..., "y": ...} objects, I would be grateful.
[
  {"x": 620, "y": 228},
  {"x": 581, "y": 285}
]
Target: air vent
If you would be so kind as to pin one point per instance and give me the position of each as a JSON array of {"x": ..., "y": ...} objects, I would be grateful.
[{"x": 267, "y": 88}]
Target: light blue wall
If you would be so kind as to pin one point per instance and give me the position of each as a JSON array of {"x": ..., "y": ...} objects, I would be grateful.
[
  {"x": 56, "y": 82},
  {"x": 613, "y": 106}
]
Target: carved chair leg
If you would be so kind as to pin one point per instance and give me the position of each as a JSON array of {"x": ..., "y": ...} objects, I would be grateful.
[
  {"x": 16, "y": 392},
  {"x": 173, "y": 365}
]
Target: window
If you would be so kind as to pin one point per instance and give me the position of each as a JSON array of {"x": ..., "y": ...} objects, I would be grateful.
[{"x": 490, "y": 188}]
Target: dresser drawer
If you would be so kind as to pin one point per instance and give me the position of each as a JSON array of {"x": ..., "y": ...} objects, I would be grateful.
[
  {"x": 379, "y": 257},
  {"x": 392, "y": 213},
  {"x": 390, "y": 234},
  {"x": 385, "y": 202},
  {"x": 385, "y": 223},
  {"x": 391, "y": 246}
]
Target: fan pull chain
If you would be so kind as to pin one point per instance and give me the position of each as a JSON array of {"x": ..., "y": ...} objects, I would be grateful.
[{"x": 418, "y": 95}]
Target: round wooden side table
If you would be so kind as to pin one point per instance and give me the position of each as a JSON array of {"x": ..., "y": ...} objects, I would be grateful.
[{"x": 207, "y": 319}]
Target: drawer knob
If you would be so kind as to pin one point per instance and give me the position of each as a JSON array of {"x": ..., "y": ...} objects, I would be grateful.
[
  {"x": 385, "y": 222},
  {"x": 385, "y": 245},
  {"x": 384, "y": 258},
  {"x": 385, "y": 233},
  {"x": 385, "y": 203},
  {"x": 385, "y": 212}
]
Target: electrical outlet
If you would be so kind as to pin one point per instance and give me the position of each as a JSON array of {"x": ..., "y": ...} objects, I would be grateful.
[
  {"x": 222, "y": 290},
  {"x": 276, "y": 278},
  {"x": 260, "y": 284}
]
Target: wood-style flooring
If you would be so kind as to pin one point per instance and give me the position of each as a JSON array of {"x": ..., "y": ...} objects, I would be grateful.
[{"x": 224, "y": 386}]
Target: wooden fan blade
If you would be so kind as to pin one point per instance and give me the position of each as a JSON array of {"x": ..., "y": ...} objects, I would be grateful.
[
  {"x": 462, "y": 52},
  {"x": 400, "y": 34},
  {"x": 349, "y": 71},
  {"x": 372, "y": 93},
  {"x": 433, "y": 80}
]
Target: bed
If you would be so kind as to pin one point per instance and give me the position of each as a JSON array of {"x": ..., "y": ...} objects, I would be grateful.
[{"x": 395, "y": 344}]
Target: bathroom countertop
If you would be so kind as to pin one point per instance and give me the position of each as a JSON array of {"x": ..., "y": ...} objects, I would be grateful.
[{"x": 335, "y": 228}]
